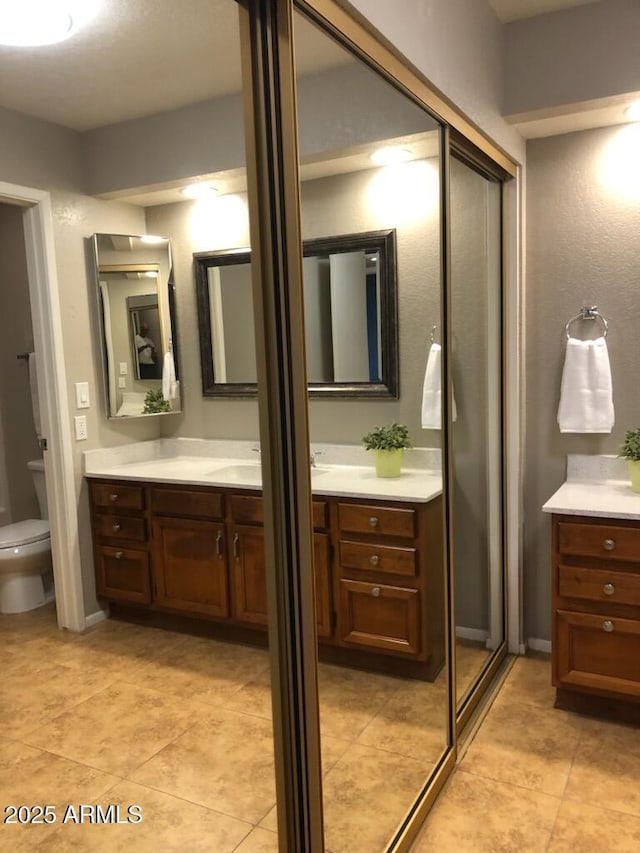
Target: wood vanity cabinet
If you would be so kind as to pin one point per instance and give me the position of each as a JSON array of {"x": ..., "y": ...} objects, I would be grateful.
[
  {"x": 199, "y": 551},
  {"x": 596, "y": 615}
]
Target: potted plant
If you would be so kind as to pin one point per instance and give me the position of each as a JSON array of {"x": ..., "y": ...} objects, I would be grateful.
[
  {"x": 630, "y": 450},
  {"x": 154, "y": 403},
  {"x": 388, "y": 444}
]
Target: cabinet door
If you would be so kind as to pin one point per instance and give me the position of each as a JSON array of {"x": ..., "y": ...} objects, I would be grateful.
[
  {"x": 189, "y": 566},
  {"x": 249, "y": 575},
  {"x": 122, "y": 574},
  {"x": 376, "y": 616}
]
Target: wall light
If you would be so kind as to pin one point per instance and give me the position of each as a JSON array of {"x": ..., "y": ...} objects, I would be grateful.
[
  {"x": 619, "y": 168},
  {"x": 219, "y": 222},
  {"x": 632, "y": 112},
  {"x": 405, "y": 193},
  {"x": 199, "y": 191},
  {"x": 390, "y": 155},
  {"x": 152, "y": 238},
  {"x": 32, "y": 23}
]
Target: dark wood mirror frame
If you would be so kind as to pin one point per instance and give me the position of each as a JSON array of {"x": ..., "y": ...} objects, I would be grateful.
[{"x": 388, "y": 386}]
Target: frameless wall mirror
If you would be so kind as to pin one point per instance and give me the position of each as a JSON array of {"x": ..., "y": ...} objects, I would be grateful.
[
  {"x": 136, "y": 309},
  {"x": 350, "y": 318}
]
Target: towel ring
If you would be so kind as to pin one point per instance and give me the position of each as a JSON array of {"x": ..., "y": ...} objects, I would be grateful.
[{"x": 588, "y": 313}]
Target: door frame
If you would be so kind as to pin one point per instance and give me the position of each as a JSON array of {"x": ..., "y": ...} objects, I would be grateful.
[{"x": 52, "y": 395}]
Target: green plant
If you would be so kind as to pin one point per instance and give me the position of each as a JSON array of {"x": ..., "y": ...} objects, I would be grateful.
[
  {"x": 154, "y": 403},
  {"x": 630, "y": 448},
  {"x": 391, "y": 437}
]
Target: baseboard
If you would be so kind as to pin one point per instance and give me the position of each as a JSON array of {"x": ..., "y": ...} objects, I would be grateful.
[
  {"x": 538, "y": 645},
  {"x": 478, "y": 635},
  {"x": 93, "y": 618}
]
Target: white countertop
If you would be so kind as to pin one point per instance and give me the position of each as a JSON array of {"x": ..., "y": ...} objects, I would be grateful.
[
  {"x": 597, "y": 486},
  {"x": 233, "y": 465}
]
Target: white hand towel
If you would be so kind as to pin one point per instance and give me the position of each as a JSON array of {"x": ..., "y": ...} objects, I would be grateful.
[
  {"x": 169, "y": 383},
  {"x": 35, "y": 400},
  {"x": 432, "y": 391},
  {"x": 586, "y": 399}
]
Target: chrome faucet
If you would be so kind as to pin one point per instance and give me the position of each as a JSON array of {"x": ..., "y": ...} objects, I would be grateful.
[{"x": 313, "y": 457}]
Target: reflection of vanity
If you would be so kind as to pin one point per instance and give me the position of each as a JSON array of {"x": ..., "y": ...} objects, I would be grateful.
[
  {"x": 596, "y": 591},
  {"x": 198, "y": 550}
]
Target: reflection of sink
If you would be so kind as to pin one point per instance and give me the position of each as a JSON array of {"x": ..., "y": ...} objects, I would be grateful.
[{"x": 247, "y": 472}]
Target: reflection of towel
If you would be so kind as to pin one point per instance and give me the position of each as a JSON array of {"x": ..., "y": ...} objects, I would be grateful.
[
  {"x": 432, "y": 391},
  {"x": 35, "y": 400},
  {"x": 169, "y": 384},
  {"x": 586, "y": 399}
]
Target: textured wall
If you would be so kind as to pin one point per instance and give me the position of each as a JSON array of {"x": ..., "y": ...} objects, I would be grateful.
[{"x": 582, "y": 248}]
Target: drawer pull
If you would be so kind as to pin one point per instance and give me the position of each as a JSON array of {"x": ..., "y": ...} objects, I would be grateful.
[
  {"x": 219, "y": 543},
  {"x": 608, "y": 589},
  {"x": 373, "y": 521},
  {"x": 116, "y": 527},
  {"x": 375, "y": 592},
  {"x": 607, "y": 626},
  {"x": 119, "y": 555},
  {"x": 236, "y": 550},
  {"x": 113, "y": 497},
  {"x": 374, "y": 559},
  {"x": 609, "y": 544}
]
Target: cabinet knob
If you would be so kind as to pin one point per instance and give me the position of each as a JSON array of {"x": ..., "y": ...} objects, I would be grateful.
[
  {"x": 375, "y": 592},
  {"x": 609, "y": 544},
  {"x": 116, "y": 527},
  {"x": 374, "y": 559},
  {"x": 607, "y": 626},
  {"x": 608, "y": 589},
  {"x": 373, "y": 521},
  {"x": 119, "y": 555},
  {"x": 113, "y": 497}
]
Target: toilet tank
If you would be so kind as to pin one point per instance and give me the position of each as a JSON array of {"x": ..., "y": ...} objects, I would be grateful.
[{"x": 36, "y": 467}]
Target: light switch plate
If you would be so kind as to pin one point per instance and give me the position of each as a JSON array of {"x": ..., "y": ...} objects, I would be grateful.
[
  {"x": 124, "y": 368},
  {"x": 82, "y": 395},
  {"x": 81, "y": 427}
]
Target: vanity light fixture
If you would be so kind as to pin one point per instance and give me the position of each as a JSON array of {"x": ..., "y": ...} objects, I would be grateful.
[
  {"x": 632, "y": 112},
  {"x": 152, "y": 238},
  {"x": 390, "y": 155},
  {"x": 199, "y": 191},
  {"x": 33, "y": 23}
]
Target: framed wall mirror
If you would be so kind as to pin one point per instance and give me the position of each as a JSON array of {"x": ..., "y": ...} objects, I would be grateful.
[
  {"x": 350, "y": 295},
  {"x": 136, "y": 310}
]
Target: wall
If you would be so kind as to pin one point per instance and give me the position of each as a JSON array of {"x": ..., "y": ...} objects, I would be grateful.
[
  {"x": 19, "y": 443},
  {"x": 582, "y": 239}
]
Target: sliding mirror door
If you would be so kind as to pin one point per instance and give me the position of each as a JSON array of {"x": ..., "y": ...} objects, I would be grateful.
[{"x": 370, "y": 160}]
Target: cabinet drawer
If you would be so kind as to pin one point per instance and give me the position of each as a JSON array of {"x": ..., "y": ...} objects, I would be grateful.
[
  {"x": 380, "y": 520},
  {"x": 187, "y": 502},
  {"x": 598, "y": 653},
  {"x": 599, "y": 585},
  {"x": 120, "y": 527},
  {"x": 363, "y": 557},
  {"x": 599, "y": 540},
  {"x": 123, "y": 574},
  {"x": 386, "y": 618},
  {"x": 249, "y": 509},
  {"x": 116, "y": 495}
]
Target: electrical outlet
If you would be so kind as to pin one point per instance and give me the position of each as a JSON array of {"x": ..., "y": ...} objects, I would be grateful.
[
  {"x": 122, "y": 382},
  {"x": 81, "y": 427}
]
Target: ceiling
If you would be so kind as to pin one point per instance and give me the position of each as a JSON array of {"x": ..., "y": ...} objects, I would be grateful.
[{"x": 513, "y": 10}]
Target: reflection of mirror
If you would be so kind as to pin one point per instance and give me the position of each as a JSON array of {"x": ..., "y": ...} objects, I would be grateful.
[
  {"x": 137, "y": 324},
  {"x": 350, "y": 318}
]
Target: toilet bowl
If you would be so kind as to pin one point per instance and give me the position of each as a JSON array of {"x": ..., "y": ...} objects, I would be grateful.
[{"x": 25, "y": 556}]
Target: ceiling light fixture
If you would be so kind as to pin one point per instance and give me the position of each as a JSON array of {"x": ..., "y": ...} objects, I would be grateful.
[
  {"x": 390, "y": 155},
  {"x": 152, "y": 238},
  {"x": 33, "y": 23},
  {"x": 632, "y": 112},
  {"x": 199, "y": 191}
]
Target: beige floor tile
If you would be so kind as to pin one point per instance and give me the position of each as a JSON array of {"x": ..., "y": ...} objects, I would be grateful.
[
  {"x": 253, "y": 697},
  {"x": 167, "y": 824},
  {"x": 584, "y": 828},
  {"x": 366, "y": 795},
  {"x": 526, "y": 746},
  {"x": 224, "y": 763},
  {"x": 117, "y": 729},
  {"x": 350, "y": 698},
  {"x": 470, "y": 658},
  {"x": 259, "y": 841},
  {"x": 475, "y": 815},
  {"x": 31, "y": 776},
  {"x": 36, "y": 691},
  {"x": 529, "y": 682},
  {"x": 606, "y": 769},
  {"x": 412, "y": 723}
]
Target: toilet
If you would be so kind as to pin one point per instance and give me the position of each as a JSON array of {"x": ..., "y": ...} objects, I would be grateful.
[{"x": 25, "y": 555}]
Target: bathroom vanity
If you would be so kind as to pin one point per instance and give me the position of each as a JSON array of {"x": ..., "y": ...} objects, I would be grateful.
[
  {"x": 596, "y": 591},
  {"x": 171, "y": 537}
]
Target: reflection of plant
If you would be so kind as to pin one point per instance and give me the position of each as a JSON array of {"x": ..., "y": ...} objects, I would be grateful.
[
  {"x": 154, "y": 402},
  {"x": 630, "y": 448},
  {"x": 391, "y": 437}
]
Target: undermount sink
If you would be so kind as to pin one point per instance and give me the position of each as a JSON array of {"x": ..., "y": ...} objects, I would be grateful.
[{"x": 243, "y": 472}]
